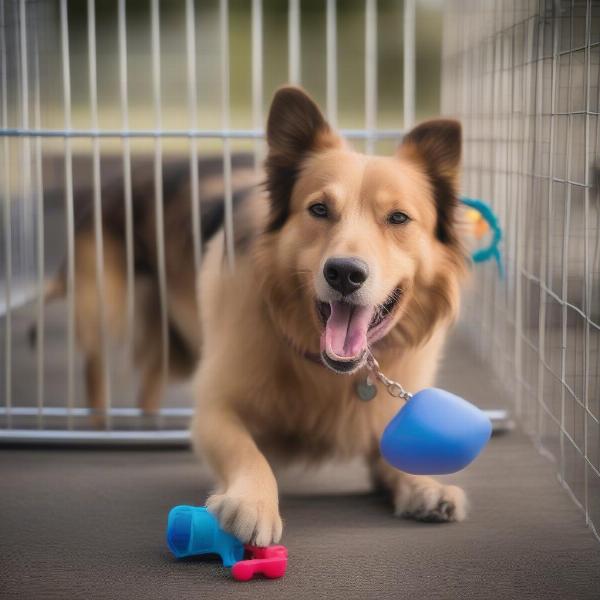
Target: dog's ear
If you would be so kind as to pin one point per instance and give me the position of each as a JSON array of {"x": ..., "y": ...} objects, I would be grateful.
[
  {"x": 295, "y": 128},
  {"x": 436, "y": 145}
]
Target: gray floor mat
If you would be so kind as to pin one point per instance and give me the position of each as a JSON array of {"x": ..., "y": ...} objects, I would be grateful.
[{"x": 90, "y": 524}]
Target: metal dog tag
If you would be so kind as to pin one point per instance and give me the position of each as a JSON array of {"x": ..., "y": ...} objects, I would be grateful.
[{"x": 366, "y": 389}]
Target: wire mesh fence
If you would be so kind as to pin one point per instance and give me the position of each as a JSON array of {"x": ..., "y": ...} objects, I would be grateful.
[{"x": 524, "y": 79}]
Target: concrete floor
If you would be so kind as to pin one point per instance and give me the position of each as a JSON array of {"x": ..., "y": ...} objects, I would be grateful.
[{"x": 90, "y": 524}]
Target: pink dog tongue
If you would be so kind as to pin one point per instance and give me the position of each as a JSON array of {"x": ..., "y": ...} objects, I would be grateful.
[{"x": 346, "y": 330}]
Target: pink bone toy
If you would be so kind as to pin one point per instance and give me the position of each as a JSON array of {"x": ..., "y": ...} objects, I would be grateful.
[{"x": 270, "y": 562}]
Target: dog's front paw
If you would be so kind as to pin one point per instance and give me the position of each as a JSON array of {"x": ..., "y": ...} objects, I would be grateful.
[
  {"x": 251, "y": 517},
  {"x": 425, "y": 499}
]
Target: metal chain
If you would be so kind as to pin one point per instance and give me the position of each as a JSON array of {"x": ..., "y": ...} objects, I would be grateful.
[{"x": 392, "y": 387}]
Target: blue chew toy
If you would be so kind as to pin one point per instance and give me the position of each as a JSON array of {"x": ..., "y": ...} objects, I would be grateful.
[
  {"x": 435, "y": 432},
  {"x": 192, "y": 530}
]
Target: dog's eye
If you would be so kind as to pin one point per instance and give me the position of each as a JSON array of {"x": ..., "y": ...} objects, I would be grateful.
[
  {"x": 319, "y": 210},
  {"x": 398, "y": 218}
]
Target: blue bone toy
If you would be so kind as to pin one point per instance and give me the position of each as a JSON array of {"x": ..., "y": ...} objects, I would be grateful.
[
  {"x": 192, "y": 530},
  {"x": 435, "y": 433}
]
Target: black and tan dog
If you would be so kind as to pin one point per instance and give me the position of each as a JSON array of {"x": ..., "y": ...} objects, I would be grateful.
[
  {"x": 340, "y": 254},
  {"x": 183, "y": 329}
]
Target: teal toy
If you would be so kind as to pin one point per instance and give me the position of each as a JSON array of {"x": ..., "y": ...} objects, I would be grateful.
[
  {"x": 192, "y": 531},
  {"x": 492, "y": 251},
  {"x": 435, "y": 432}
]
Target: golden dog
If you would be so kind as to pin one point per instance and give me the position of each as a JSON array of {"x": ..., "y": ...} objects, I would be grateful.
[{"x": 342, "y": 255}]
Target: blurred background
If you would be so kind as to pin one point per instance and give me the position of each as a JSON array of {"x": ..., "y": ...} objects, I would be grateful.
[{"x": 45, "y": 16}]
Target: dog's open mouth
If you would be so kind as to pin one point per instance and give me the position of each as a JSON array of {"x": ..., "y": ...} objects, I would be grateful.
[{"x": 349, "y": 328}]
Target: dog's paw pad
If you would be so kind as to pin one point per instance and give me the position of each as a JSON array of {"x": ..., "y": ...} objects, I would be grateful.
[
  {"x": 253, "y": 520},
  {"x": 431, "y": 502}
]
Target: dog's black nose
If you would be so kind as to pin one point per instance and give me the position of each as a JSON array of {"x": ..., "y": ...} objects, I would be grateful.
[{"x": 345, "y": 275}]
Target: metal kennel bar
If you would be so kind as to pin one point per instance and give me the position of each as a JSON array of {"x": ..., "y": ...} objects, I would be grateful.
[
  {"x": 69, "y": 212},
  {"x": 40, "y": 319},
  {"x": 524, "y": 79},
  {"x": 257, "y": 77},
  {"x": 216, "y": 134},
  {"x": 331, "y": 40},
  {"x": 54, "y": 115},
  {"x": 127, "y": 186},
  {"x": 98, "y": 228},
  {"x": 370, "y": 70},
  {"x": 294, "y": 58},
  {"x": 8, "y": 241},
  {"x": 225, "y": 123}
]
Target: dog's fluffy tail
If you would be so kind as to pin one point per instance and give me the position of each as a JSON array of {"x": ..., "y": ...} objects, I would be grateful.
[{"x": 55, "y": 288}]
